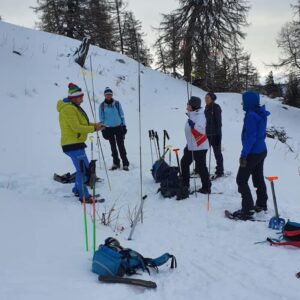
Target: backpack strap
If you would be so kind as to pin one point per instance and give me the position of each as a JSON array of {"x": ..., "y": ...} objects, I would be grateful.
[
  {"x": 156, "y": 262},
  {"x": 117, "y": 104},
  {"x": 128, "y": 255},
  {"x": 276, "y": 242}
]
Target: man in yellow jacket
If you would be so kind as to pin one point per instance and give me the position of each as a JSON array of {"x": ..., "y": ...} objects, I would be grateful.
[{"x": 75, "y": 127}]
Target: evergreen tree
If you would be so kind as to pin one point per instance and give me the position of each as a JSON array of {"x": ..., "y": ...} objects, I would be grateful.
[
  {"x": 271, "y": 88},
  {"x": 206, "y": 27},
  {"x": 134, "y": 45},
  {"x": 168, "y": 45},
  {"x": 61, "y": 17},
  {"x": 99, "y": 24},
  {"x": 117, "y": 11}
]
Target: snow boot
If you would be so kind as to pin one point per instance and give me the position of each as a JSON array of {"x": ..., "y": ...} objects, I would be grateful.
[
  {"x": 114, "y": 167},
  {"x": 259, "y": 209},
  {"x": 243, "y": 215}
]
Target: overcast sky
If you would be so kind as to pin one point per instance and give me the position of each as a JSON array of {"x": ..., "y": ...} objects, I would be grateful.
[{"x": 266, "y": 17}]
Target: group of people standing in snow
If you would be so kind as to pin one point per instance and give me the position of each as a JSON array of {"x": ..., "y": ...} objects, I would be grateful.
[{"x": 203, "y": 129}]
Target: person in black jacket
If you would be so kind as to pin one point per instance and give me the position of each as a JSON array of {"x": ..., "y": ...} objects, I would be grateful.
[{"x": 213, "y": 114}]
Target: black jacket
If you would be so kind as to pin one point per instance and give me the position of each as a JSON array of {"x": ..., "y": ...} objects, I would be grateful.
[{"x": 213, "y": 114}]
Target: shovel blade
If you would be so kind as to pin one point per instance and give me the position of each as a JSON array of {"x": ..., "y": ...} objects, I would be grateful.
[{"x": 276, "y": 223}]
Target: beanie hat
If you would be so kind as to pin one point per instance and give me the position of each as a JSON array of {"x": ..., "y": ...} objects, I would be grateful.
[
  {"x": 195, "y": 102},
  {"x": 250, "y": 100},
  {"x": 74, "y": 91},
  {"x": 212, "y": 96},
  {"x": 108, "y": 91}
]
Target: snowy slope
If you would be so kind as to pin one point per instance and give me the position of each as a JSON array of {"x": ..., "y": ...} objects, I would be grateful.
[{"x": 42, "y": 252}]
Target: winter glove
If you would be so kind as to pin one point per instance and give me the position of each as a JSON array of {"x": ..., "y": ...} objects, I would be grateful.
[
  {"x": 191, "y": 123},
  {"x": 243, "y": 162}
]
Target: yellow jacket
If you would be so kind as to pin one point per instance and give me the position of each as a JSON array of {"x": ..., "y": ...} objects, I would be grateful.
[{"x": 73, "y": 123}]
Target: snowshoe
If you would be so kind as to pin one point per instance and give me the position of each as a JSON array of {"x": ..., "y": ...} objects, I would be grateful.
[{"x": 242, "y": 216}]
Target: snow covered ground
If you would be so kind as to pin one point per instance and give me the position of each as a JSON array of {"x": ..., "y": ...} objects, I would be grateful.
[{"x": 42, "y": 254}]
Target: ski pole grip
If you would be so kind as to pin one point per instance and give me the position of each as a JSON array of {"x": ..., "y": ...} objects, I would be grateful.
[
  {"x": 81, "y": 163},
  {"x": 176, "y": 150},
  {"x": 166, "y": 134},
  {"x": 272, "y": 178}
]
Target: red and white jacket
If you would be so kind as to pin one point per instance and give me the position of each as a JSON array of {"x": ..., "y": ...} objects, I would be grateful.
[{"x": 196, "y": 138}]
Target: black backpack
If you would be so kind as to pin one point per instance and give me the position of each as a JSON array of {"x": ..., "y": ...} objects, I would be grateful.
[
  {"x": 169, "y": 186},
  {"x": 172, "y": 185}
]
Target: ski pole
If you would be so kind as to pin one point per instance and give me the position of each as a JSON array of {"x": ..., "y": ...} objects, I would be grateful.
[
  {"x": 209, "y": 161},
  {"x": 193, "y": 75},
  {"x": 177, "y": 158},
  {"x": 157, "y": 141},
  {"x": 88, "y": 94},
  {"x": 81, "y": 163},
  {"x": 187, "y": 89},
  {"x": 92, "y": 79},
  {"x": 151, "y": 147},
  {"x": 98, "y": 138},
  {"x": 193, "y": 158},
  {"x": 169, "y": 148},
  {"x": 166, "y": 136},
  {"x": 94, "y": 101},
  {"x": 93, "y": 181},
  {"x": 142, "y": 198},
  {"x": 154, "y": 141},
  {"x": 92, "y": 146},
  {"x": 94, "y": 211},
  {"x": 209, "y": 164}
]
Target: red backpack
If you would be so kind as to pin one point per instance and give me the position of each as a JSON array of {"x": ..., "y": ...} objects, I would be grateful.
[{"x": 290, "y": 235}]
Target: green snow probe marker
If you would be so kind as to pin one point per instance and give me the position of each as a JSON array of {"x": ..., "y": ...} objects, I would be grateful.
[{"x": 81, "y": 162}]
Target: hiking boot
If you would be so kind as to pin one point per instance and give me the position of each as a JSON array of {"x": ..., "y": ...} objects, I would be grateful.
[
  {"x": 259, "y": 209},
  {"x": 125, "y": 168},
  {"x": 243, "y": 215},
  {"x": 114, "y": 167},
  {"x": 217, "y": 175},
  {"x": 89, "y": 200},
  {"x": 204, "y": 191}
]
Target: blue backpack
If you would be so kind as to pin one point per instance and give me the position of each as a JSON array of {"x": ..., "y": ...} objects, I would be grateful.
[
  {"x": 113, "y": 260},
  {"x": 160, "y": 170}
]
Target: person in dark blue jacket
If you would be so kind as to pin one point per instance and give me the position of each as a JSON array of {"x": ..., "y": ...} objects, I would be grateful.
[
  {"x": 111, "y": 115},
  {"x": 252, "y": 157},
  {"x": 213, "y": 114}
]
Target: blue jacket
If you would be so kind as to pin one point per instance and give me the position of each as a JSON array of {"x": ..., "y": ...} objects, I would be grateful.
[
  {"x": 111, "y": 115},
  {"x": 254, "y": 131}
]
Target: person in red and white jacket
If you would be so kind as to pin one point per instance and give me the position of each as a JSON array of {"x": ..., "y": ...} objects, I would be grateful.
[{"x": 197, "y": 145}]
